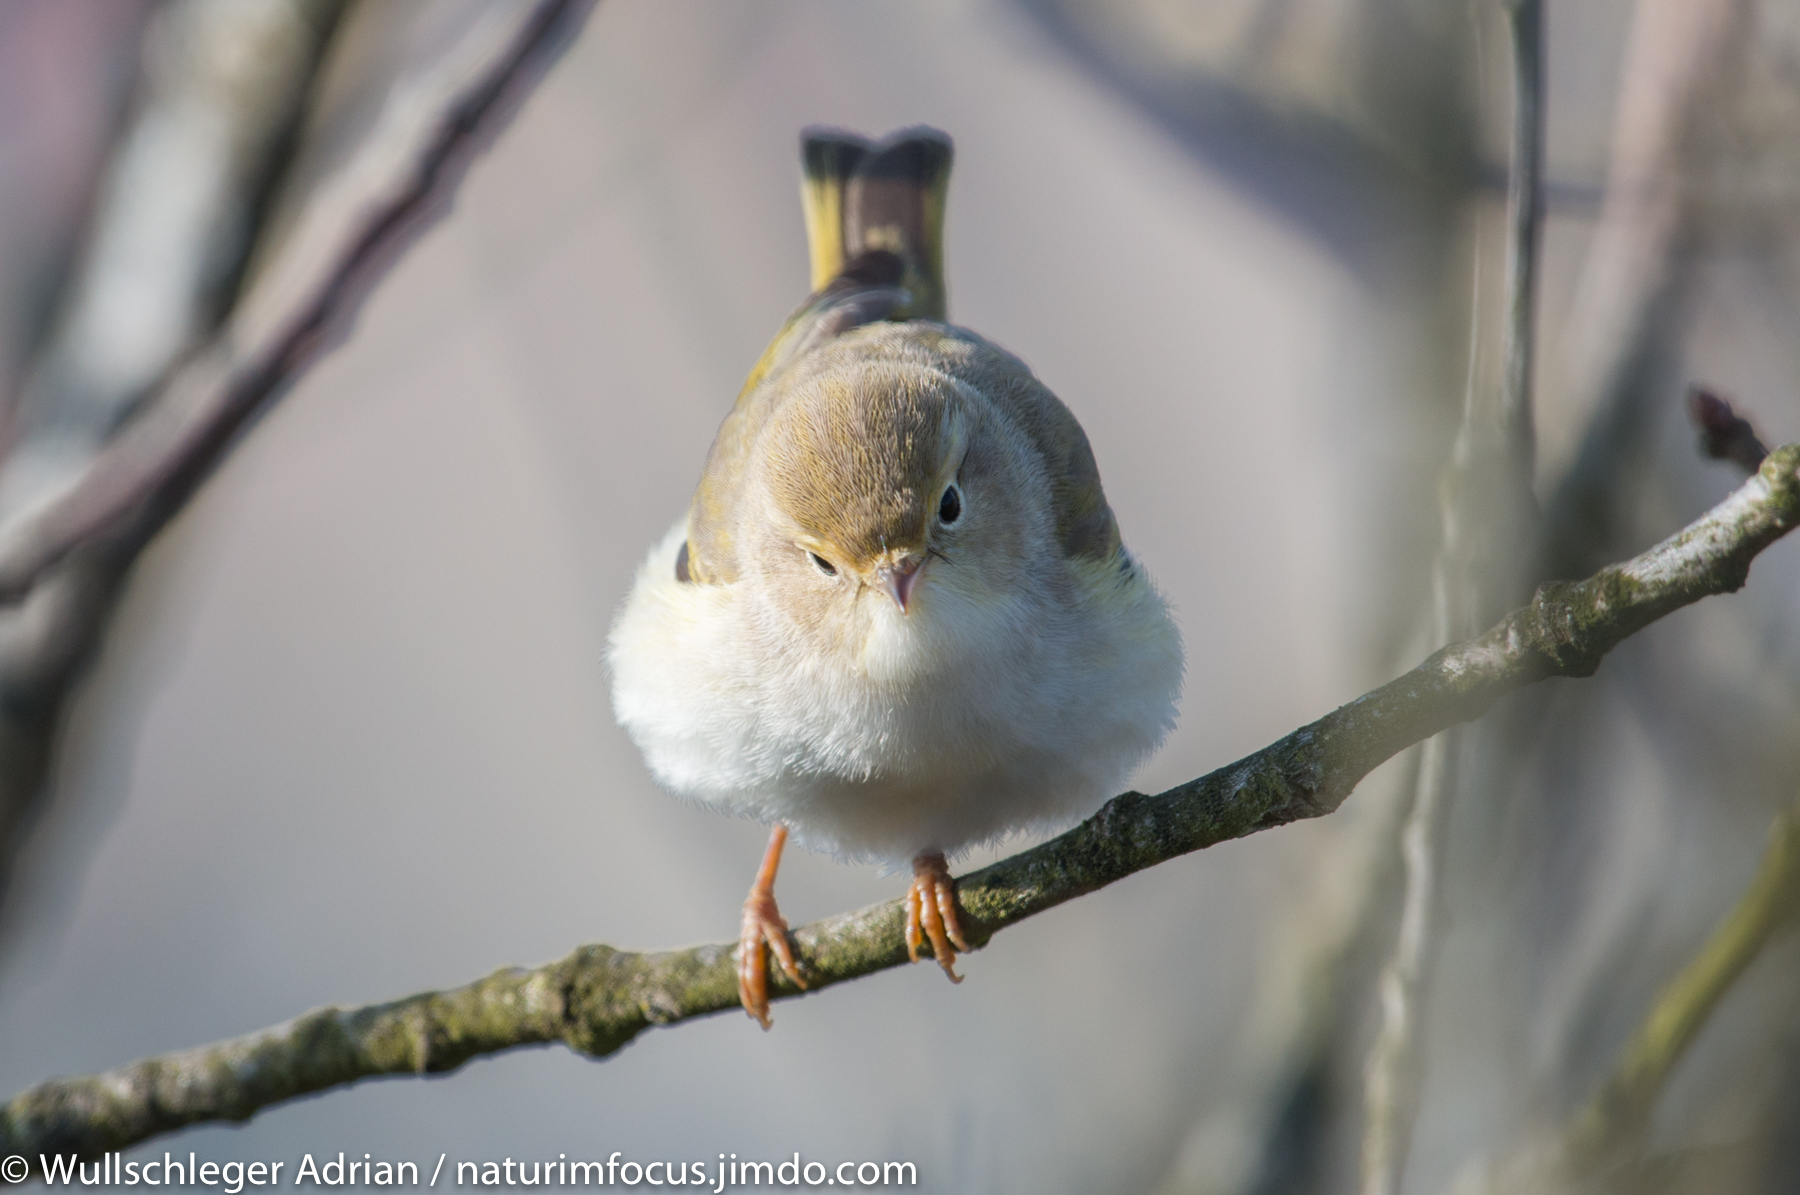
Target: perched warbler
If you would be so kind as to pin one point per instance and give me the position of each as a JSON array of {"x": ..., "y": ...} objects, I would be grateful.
[{"x": 897, "y": 619}]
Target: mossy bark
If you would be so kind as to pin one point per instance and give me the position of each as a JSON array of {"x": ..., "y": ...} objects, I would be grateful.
[{"x": 597, "y": 999}]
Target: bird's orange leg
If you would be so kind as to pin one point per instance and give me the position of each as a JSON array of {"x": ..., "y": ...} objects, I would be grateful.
[
  {"x": 763, "y": 929},
  {"x": 931, "y": 913}
]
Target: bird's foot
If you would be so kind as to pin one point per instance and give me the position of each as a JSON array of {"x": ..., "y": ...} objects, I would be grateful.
[
  {"x": 931, "y": 913},
  {"x": 763, "y": 931}
]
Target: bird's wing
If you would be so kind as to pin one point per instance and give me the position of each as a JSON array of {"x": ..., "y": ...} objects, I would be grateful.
[{"x": 1085, "y": 526}]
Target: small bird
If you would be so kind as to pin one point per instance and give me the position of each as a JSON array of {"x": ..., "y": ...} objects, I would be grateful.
[{"x": 897, "y": 620}]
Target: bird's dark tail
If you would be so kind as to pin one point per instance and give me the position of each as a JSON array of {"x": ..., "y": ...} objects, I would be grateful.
[{"x": 866, "y": 197}]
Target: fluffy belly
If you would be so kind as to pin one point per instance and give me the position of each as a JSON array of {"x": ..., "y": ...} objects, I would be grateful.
[{"x": 937, "y": 737}]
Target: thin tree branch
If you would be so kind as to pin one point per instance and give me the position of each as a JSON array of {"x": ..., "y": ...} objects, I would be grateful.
[
  {"x": 224, "y": 89},
  {"x": 1487, "y": 511},
  {"x": 598, "y": 998},
  {"x": 1613, "y": 1122},
  {"x": 1608, "y": 1131},
  {"x": 67, "y": 552},
  {"x": 1625, "y": 332},
  {"x": 1395, "y": 1071},
  {"x": 158, "y": 459},
  {"x": 1610, "y": 1128},
  {"x": 223, "y": 92},
  {"x": 1524, "y": 220}
]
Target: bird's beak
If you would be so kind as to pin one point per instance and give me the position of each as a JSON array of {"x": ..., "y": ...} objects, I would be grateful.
[{"x": 898, "y": 578}]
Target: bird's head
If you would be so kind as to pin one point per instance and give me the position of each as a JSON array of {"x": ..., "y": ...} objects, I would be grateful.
[{"x": 881, "y": 484}]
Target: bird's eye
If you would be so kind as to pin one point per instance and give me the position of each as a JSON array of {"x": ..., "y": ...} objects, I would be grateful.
[
  {"x": 825, "y": 566},
  {"x": 950, "y": 506}
]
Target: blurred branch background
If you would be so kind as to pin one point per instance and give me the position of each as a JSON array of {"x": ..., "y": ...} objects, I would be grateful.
[
  {"x": 219, "y": 98},
  {"x": 342, "y": 695}
]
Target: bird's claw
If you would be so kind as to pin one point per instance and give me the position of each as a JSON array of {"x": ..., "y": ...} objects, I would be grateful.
[
  {"x": 763, "y": 930},
  {"x": 931, "y": 913}
]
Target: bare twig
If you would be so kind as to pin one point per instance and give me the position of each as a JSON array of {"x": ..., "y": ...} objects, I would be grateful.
[
  {"x": 66, "y": 554},
  {"x": 1487, "y": 505},
  {"x": 1626, "y": 326},
  {"x": 1613, "y": 1122},
  {"x": 1524, "y": 220},
  {"x": 1396, "y": 1062},
  {"x": 1608, "y": 1131},
  {"x": 598, "y": 998},
  {"x": 223, "y": 91},
  {"x": 222, "y": 94},
  {"x": 157, "y": 459}
]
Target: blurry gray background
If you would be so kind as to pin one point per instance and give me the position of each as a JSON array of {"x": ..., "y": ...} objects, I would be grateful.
[{"x": 349, "y": 734}]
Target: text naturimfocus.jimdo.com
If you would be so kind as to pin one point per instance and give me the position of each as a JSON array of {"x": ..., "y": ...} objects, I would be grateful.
[{"x": 728, "y": 1172}]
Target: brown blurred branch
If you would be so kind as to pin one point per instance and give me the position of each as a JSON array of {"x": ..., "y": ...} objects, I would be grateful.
[
  {"x": 157, "y": 459},
  {"x": 64, "y": 555},
  {"x": 598, "y": 998},
  {"x": 222, "y": 94}
]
